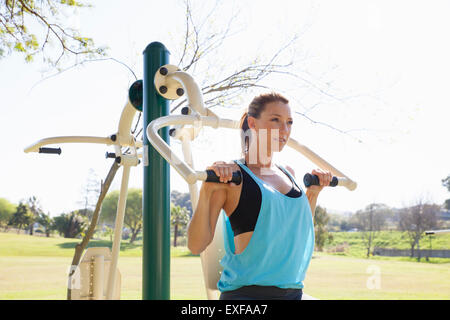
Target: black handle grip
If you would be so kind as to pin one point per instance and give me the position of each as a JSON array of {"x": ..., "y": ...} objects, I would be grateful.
[
  {"x": 212, "y": 177},
  {"x": 313, "y": 180},
  {"x": 50, "y": 150}
]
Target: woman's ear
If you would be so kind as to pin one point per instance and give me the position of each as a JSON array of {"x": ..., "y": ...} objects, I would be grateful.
[{"x": 251, "y": 122}]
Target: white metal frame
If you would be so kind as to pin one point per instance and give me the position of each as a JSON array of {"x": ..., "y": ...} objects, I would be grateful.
[
  {"x": 430, "y": 232},
  {"x": 122, "y": 138},
  {"x": 204, "y": 117}
]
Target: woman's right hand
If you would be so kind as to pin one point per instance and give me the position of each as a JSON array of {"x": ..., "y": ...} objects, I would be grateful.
[{"x": 225, "y": 173}]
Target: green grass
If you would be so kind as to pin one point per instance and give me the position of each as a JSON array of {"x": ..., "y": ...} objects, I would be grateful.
[
  {"x": 388, "y": 239},
  {"x": 12, "y": 244},
  {"x": 36, "y": 268}
]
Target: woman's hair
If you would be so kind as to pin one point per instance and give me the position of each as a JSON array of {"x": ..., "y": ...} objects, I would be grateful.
[{"x": 255, "y": 108}]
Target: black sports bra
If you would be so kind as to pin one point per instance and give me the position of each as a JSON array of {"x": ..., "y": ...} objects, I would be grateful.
[{"x": 244, "y": 217}]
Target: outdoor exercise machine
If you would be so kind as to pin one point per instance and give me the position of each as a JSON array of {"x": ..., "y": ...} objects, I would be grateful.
[
  {"x": 171, "y": 83},
  {"x": 96, "y": 276}
]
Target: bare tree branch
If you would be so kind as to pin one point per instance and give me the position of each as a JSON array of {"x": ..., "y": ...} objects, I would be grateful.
[{"x": 81, "y": 63}]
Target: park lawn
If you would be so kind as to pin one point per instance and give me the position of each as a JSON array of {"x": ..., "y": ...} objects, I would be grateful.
[
  {"x": 387, "y": 239},
  {"x": 12, "y": 244},
  {"x": 45, "y": 278},
  {"x": 36, "y": 268},
  {"x": 338, "y": 277},
  {"x": 329, "y": 277}
]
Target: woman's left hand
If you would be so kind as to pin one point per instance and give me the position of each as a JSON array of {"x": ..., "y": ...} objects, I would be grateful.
[{"x": 324, "y": 180}]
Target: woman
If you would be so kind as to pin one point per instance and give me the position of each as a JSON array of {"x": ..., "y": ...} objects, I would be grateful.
[{"x": 269, "y": 238}]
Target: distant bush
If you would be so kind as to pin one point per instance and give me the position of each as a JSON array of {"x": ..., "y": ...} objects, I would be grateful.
[{"x": 339, "y": 248}]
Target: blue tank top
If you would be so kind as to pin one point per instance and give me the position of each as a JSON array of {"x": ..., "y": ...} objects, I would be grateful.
[{"x": 281, "y": 245}]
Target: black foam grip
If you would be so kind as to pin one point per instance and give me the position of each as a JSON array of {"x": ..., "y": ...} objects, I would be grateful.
[
  {"x": 212, "y": 177},
  {"x": 313, "y": 180},
  {"x": 50, "y": 150}
]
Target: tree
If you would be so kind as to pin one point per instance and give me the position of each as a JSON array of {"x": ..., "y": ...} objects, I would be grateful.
[
  {"x": 90, "y": 194},
  {"x": 182, "y": 200},
  {"x": 45, "y": 221},
  {"x": 321, "y": 219},
  {"x": 7, "y": 210},
  {"x": 447, "y": 204},
  {"x": 133, "y": 210},
  {"x": 370, "y": 221},
  {"x": 223, "y": 84},
  {"x": 70, "y": 225},
  {"x": 108, "y": 232},
  {"x": 446, "y": 183},
  {"x": 22, "y": 217},
  {"x": 35, "y": 209},
  {"x": 179, "y": 218},
  {"x": 28, "y": 27},
  {"x": 415, "y": 220}
]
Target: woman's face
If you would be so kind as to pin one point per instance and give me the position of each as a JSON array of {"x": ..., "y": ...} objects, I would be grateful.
[{"x": 273, "y": 127}]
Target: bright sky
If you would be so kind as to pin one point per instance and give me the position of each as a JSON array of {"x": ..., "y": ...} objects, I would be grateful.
[{"x": 380, "y": 69}]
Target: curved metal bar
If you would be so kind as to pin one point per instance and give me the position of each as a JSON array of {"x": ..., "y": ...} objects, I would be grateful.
[
  {"x": 166, "y": 152},
  {"x": 67, "y": 139},
  {"x": 194, "y": 94},
  {"x": 123, "y": 137},
  {"x": 321, "y": 163},
  {"x": 192, "y": 176}
]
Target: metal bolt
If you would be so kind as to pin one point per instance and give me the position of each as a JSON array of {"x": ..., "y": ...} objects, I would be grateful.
[
  {"x": 185, "y": 111},
  {"x": 163, "y": 71},
  {"x": 163, "y": 89},
  {"x": 180, "y": 92}
]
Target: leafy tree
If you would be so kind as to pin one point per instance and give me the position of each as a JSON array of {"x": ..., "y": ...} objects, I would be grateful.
[
  {"x": 70, "y": 225},
  {"x": 29, "y": 26},
  {"x": 133, "y": 210},
  {"x": 35, "y": 209},
  {"x": 7, "y": 210},
  {"x": 45, "y": 221},
  {"x": 181, "y": 199},
  {"x": 22, "y": 217},
  {"x": 179, "y": 218},
  {"x": 446, "y": 182},
  {"x": 109, "y": 232},
  {"x": 321, "y": 219},
  {"x": 447, "y": 204}
]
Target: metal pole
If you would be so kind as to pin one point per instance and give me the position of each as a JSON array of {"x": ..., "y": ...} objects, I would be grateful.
[
  {"x": 121, "y": 204},
  {"x": 156, "y": 190}
]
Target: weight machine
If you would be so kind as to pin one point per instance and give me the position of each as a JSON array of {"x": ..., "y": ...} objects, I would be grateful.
[{"x": 96, "y": 276}]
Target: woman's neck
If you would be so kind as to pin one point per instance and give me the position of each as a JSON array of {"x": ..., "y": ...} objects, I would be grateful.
[{"x": 259, "y": 165}]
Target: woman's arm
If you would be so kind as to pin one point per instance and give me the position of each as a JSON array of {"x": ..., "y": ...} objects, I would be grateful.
[
  {"x": 200, "y": 230},
  {"x": 212, "y": 197},
  {"x": 312, "y": 193},
  {"x": 312, "y": 199}
]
